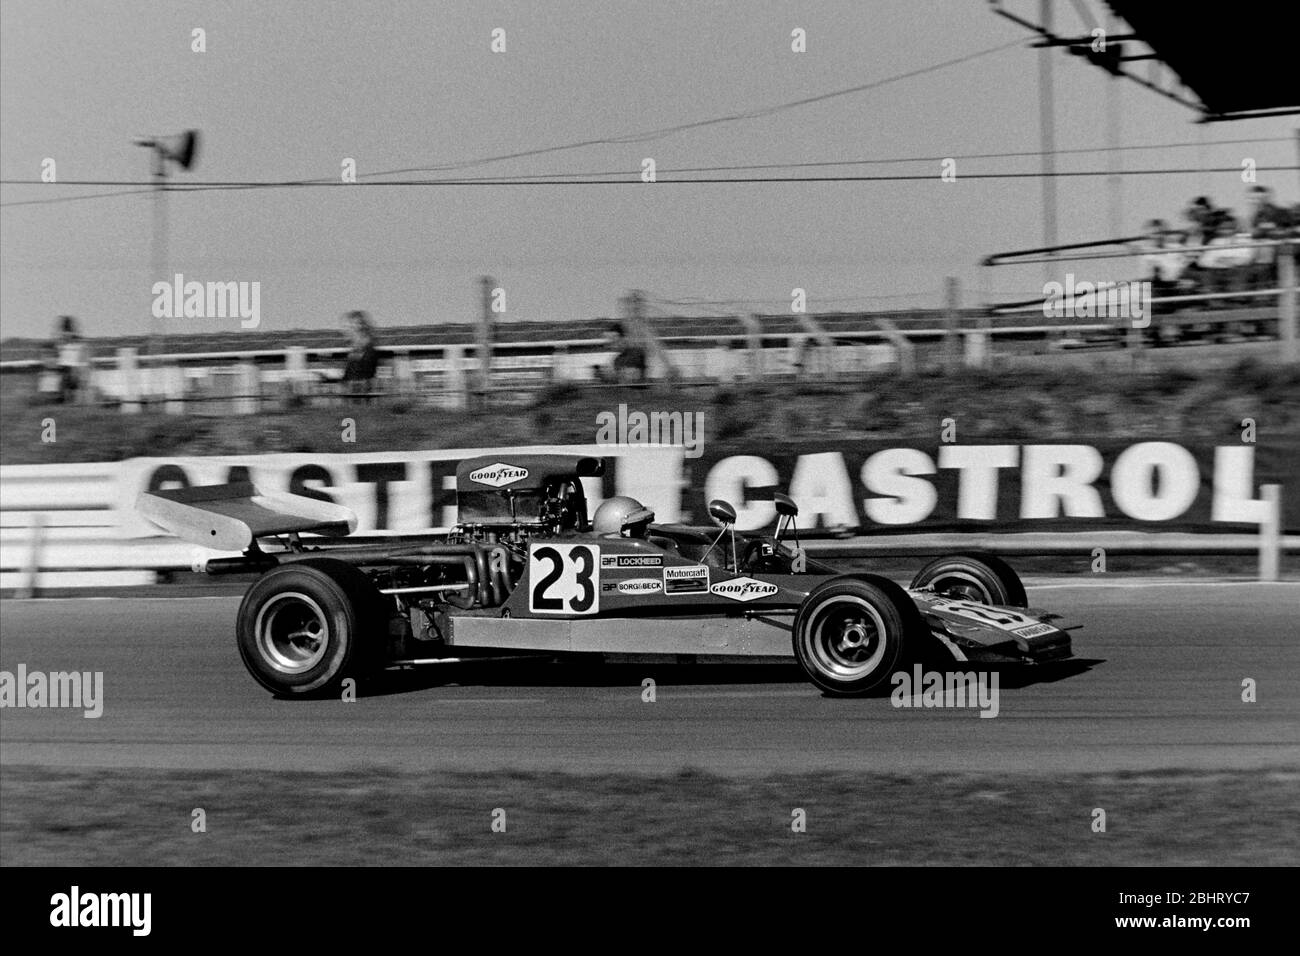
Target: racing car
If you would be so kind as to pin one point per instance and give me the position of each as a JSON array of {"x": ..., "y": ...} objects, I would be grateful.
[{"x": 527, "y": 571}]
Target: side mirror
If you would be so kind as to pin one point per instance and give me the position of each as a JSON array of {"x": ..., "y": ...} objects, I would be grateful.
[
  {"x": 722, "y": 512},
  {"x": 785, "y": 505}
]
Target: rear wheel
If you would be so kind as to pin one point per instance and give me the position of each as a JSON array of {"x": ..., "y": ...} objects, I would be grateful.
[
  {"x": 983, "y": 579},
  {"x": 304, "y": 627},
  {"x": 850, "y": 634}
]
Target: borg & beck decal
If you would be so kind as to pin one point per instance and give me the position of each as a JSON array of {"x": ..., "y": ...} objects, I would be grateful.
[
  {"x": 692, "y": 579},
  {"x": 639, "y": 586},
  {"x": 744, "y": 589}
]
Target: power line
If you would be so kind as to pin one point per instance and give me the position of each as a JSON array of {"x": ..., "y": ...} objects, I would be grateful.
[
  {"x": 43, "y": 202},
  {"x": 899, "y": 160},
  {"x": 204, "y": 186},
  {"x": 637, "y": 137},
  {"x": 664, "y": 131}
]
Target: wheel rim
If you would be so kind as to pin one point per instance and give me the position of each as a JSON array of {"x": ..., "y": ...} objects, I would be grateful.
[
  {"x": 846, "y": 638},
  {"x": 293, "y": 632},
  {"x": 959, "y": 584}
]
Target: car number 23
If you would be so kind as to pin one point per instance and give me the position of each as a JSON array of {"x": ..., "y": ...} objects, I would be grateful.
[{"x": 563, "y": 579}]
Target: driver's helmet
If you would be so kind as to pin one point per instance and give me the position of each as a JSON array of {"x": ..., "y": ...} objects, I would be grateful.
[{"x": 619, "y": 513}]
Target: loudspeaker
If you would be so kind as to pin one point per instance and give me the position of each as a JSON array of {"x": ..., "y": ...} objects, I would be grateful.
[{"x": 181, "y": 149}]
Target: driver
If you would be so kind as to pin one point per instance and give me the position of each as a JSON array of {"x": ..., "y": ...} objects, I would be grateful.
[{"x": 624, "y": 516}]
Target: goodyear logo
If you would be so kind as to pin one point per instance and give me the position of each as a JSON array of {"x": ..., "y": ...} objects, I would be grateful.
[
  {"x": 744, "y": 589},
  {"x": 499, "y": 475}
]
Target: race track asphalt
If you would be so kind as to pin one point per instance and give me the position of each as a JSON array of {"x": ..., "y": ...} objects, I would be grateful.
[{"x": 1161, "y": 689}]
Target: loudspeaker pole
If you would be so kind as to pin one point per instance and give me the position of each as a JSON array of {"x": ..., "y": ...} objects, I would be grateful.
[
  {"x": 181, "y": 150},
  {"x": 156, "y": 331}
]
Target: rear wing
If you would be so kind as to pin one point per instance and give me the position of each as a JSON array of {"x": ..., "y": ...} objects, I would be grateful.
[{"x": 230, "y": 517}]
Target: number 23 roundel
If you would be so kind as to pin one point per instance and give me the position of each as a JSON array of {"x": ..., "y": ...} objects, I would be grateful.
[{"x": 563, "y": 579}]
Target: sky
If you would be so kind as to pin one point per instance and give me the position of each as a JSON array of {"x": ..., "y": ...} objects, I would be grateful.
[{"x": 288, "y": 90}]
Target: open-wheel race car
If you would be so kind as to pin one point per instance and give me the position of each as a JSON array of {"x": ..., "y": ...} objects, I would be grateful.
[{"x": 527, "y": 571}]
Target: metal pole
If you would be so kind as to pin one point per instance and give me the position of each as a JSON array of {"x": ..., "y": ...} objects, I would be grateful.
[
  {"x": 156, "y": 330},
  {"x": 1115, "y": 180},
  {"x": 1047, "y": 131},
  {"x": 1286, "y": 305},
  {"x": 483, "y": 378},
  {"x": 1270, "y": 533},
  {"x": 951, "y": 304}
]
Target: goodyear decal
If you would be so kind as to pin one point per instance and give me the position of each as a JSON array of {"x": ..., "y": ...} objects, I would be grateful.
[
  {"x": 692, "y": 579},
  {"x": 744, "y": 589},
  {"x": 499, "y": 475},
  {"x": 631, "y": 561}
]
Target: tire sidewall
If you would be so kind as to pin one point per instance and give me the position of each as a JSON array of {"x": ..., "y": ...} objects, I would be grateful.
[
  {"x": 898, "y": 629},
  {"x": 342, "y": 614}
]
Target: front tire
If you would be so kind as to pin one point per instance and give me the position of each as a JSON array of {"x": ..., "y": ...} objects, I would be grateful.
[
  {"x": 304, "y": 627},
  {"x": 849, "y": 634},
  {"x": 981, "y": 578}
]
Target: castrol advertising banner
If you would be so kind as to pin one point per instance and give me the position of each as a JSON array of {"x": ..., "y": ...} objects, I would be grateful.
[
  {"x": 1105, "y": 484},
  {"x": 850, "y": 487}
]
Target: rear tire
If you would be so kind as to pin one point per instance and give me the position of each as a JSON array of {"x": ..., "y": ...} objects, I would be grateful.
[
  {"x": 850, "y": 634},
  {"x": 305, "y": 627},
  {"x": 981, "y": 578}
]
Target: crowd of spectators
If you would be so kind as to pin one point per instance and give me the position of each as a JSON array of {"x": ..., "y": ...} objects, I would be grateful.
[{"x": 1215, "y": 251}]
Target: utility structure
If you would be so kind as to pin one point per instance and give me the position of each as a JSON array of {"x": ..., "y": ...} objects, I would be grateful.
[
  {"x": 165, "y": 151},
  {"x": 483, "y": 366},
  {"x": 1247, "y": 72}
]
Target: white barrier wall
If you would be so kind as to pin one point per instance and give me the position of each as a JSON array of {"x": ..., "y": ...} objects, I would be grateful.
[
  {"x": 76, "y": 525},
  {"x": 64, "y": 525}
]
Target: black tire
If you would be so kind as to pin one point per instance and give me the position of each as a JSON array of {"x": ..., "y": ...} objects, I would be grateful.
[
  {"x": 305, "y": 627},
  {"x": 981, "y": 578},
  {"x": 850, "y": 633}
]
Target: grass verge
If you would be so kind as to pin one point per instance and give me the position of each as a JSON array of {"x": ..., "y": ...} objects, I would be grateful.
[{"x": 381, "y": 817}]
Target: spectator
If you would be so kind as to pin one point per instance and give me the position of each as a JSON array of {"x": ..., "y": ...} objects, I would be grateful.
[
  {"x": 1163, "y": 262},
  {"x": 1267, "y": 221},
  {"x": 70, "y": 360},
  {"x": 363, "y": 354},
  {"x": 630, "y": 361},
  {"x": 1170, "y": 270},
  {"x": 1228, "y": 262},
  {"x": 49, "y": 384},
  {"x": 1204, "y": 219}
]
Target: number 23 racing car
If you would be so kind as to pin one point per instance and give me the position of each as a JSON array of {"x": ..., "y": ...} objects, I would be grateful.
[{"x": 527, "y": 571}]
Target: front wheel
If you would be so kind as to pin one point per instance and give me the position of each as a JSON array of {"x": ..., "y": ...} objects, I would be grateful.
[
  {"x": 305, "y": 627},
  {"x": 849, "y": 634},
  {"x": 980, "y": 578}
]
